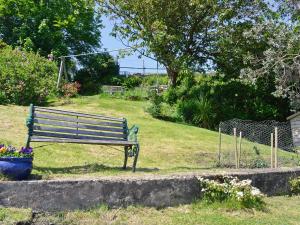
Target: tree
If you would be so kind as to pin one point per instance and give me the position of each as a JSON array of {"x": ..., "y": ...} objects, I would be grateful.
[
  {"x": 60, "y": 27},
  {"x": 178, "y": 33},
  {"x": 280, "y": 61},
  {"x": 98, "y": 69}
]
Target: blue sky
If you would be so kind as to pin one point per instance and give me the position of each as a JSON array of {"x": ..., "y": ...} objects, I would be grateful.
[{"x": 111, "y": 43}]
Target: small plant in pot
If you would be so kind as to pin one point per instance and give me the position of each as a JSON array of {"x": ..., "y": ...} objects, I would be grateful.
[{"x": 15, "y": 164}]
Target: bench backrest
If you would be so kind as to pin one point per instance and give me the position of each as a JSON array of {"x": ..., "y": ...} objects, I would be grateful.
[
  {"x": 112, "y": 89},
  {"x": 52, "y": 123}
]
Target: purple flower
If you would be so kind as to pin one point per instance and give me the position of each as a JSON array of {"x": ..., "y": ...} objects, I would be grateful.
[
  {"x": 1, "y": 146},
  {"x": 25, "y": 150}
]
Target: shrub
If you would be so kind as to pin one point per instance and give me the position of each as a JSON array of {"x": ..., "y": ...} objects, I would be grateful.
[
  {"x": 151, "y": 80},
  {"x": 208, "y": 100},
  {"x": 132, "y": 82},
  {"x": 116, "y": 80},
  {"x": 230, "y": 189},
  {"x": 70, "y": 90},
  {"x": 295, "y": 186},
  {"x": 171, "y": 96},
  {"x": 25, "y": 77},
  {"x": 136, "y": 94},
  {"x": 258, "y": 161},
  {"x": 197, "y": 112},
  {"x": 156, "y": 105}
]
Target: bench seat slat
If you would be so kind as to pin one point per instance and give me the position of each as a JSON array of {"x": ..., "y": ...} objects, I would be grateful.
[
  {"x": 74, "y": 125},
  {"x": 73, "y": 136},
  {"x": 74, "y": 119},
  {"x": 75, "y": 131},
  {"x": 79, "y": 141},
  {"x": 62, "y": 112}
]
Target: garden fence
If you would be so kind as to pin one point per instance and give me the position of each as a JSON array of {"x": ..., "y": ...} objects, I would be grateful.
[{"x": 247, "y": 144}]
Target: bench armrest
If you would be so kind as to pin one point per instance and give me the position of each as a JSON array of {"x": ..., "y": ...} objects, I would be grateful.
[
  {"x": 29, "y": 124},
  {"x": 132, "y": 133}
]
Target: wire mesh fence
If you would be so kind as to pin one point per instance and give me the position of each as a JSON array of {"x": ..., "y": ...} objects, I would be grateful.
[{"x": 247, "y": 144}]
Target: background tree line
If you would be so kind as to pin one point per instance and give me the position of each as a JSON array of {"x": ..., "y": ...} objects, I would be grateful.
[{"x": 251, "y": 45}]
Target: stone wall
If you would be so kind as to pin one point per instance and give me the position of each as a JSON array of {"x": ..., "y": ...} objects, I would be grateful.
[{"x": 156, "y": 191}]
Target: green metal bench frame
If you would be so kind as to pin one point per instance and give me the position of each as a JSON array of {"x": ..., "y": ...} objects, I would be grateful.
[{"x": 59, "y": 126}]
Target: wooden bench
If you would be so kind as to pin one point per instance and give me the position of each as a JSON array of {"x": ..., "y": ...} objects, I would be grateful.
[
  {"x": 52, "y": 125},
  {"x": 112, "y": 89}
]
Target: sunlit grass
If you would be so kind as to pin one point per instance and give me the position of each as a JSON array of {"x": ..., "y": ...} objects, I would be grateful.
[
  {"x": 280, "y": 210},
  {"x": 166, "y": 147}
]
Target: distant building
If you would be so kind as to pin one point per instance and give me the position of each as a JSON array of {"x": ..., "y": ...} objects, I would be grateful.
[{"x": 295, "y": 126}]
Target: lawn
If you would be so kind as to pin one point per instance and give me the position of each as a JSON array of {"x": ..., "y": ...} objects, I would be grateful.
[
  {"x": 166, "y": 147},
  {"x": 280, "y": 210}
]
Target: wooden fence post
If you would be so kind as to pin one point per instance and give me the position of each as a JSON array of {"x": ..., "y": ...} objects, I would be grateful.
[
  {"x": 236, "y": 148},
  {"x": 276, "y": 147},
  {"x": 272, "y": 150},
  {"x": 240, "y": 149},
  {"x": 220, "y": 146}
]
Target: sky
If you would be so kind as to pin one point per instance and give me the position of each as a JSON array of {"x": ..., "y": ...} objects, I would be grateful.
[{"x": 110, "y": 43}]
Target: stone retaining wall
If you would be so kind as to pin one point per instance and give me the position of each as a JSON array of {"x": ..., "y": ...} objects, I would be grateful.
[{"x": 156, "y": 191}]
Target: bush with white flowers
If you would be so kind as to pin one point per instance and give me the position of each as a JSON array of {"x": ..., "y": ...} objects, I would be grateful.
[{"x": 231, "y": 189}]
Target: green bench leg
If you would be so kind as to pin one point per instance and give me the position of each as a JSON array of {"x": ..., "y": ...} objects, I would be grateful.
[
  {"x": 136, "y": 157},
  {"x": 126, "y": 157}
]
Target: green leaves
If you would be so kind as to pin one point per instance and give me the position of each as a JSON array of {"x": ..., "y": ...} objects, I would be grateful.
[
  {"x": 25, "y": 77},
  {"x": 58, "y": 26},
  {"x": 179, "y": 33}
]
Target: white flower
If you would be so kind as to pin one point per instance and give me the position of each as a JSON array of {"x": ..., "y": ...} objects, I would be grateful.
[
  {"x": 255, "y": 191},
  {"x": 240, "y": 194}
]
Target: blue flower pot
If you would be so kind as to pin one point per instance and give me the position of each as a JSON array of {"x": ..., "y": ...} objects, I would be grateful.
[{"x": 16, "y": 168}]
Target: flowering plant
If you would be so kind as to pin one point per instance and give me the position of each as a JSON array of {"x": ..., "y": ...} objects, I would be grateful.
[
  {"x": 294, "y": 186},
  {"x": 231, "y": 189},
  {"x": 70, "y": 90},
  {"x": 10, "y": 151}
]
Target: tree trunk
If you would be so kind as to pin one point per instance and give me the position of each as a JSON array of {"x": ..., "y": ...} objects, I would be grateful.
[{"x": 173, "y": 75}]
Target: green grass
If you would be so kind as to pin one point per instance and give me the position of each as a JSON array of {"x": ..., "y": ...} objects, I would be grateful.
[
  {"x": 279, "y": 211},
  {"x": 166, "y": 147},
  {"x": 9, "y": 216}
]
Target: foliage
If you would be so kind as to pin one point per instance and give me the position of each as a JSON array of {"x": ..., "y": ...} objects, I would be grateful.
[
  {"x": 151, "y": 80},
  {"x": 280, "y": 61},
  {"x": 10, "y": 151},
  {"x": 97, "y": 69},
  {"x": 136, "y": 94},
  {"x": 209, "y": 100},
  {"x": 197, "y": 112},
  {"x": 156, "y": 105},
  {"x": 25, "y": 77},
  {"x": 231, "y": 189},
  {"x": 59, "y": 27},
  {"x": 69, "y": 90},
  {"x": 295, "y": 186},
  {"x": 115, "y": 80},
  {"x": 180, "y": 33},
  {"x": 132, "y": 82},
  {"x": 258, "y": 161},
  {"x": 133, "y": 94},
  {"x": 136, "y": 81}
]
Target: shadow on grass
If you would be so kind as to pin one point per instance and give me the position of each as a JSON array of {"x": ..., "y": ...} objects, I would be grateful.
[
  {"x": 89, "y": 168},
  {"x": 192, "y": 168}
]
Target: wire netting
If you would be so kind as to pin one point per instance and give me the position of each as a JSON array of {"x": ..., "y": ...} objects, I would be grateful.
[{"x": 254, "y": 146}]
